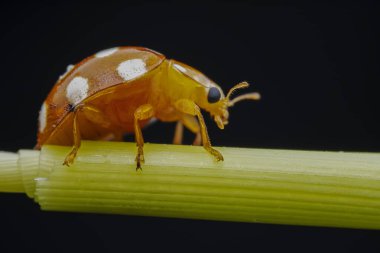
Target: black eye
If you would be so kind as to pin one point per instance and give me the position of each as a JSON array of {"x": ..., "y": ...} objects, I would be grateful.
[{"x": 213, "y": 95}]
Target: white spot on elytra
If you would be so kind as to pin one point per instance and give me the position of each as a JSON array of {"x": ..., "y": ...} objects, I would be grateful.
[
  {"x": 106, "y": 52},
  {"x": 180, "y": 68},
  {"x": 42, "y": 119},
  {"x": 131, "y": 69},
  {"x": 68, "y": 68},
  {"x": 77, "y": 90}
]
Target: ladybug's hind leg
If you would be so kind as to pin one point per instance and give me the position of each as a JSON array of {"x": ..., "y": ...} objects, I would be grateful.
[
  {"x": 77, "y": 138},
  {"x": 95, "y": 116}
]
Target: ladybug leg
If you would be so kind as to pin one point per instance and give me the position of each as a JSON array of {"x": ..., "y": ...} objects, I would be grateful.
[
  {"x": 143, "y": 112},
  {"x": 198, "y": 139},
  {"x": 189, "y": 107},
  {"x": 77, "y": 138},
  {"x": 190, "y": 123},
  {"x": 178, "y": 133},
  {"x": 92, "y": 114}
]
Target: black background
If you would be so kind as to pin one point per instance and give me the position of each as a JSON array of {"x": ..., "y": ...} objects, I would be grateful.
[{"x": 315, "y": 65}]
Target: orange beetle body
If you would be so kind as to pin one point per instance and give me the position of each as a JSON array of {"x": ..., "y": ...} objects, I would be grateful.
[{"x": 119, "y": 90}]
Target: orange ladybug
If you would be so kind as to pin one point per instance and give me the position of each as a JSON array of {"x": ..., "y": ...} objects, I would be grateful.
[{"x": 118, "y": 90}]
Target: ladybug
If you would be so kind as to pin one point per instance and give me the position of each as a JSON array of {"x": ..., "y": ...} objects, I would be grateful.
[{"x": 119, "y": 90}]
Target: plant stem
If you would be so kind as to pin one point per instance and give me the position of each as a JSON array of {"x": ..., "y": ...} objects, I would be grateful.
[{"x": 316, "y": 188}]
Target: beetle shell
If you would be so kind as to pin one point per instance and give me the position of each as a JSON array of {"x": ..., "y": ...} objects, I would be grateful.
[{"x": 92, "y": 77}]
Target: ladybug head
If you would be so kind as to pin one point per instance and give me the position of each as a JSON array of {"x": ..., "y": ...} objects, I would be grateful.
[
  {"x": 218, "y": 104},
  {"x": 206, "y": 93}
]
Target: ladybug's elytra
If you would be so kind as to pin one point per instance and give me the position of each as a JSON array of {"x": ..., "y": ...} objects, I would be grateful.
[{"x": 119, "y": 90}]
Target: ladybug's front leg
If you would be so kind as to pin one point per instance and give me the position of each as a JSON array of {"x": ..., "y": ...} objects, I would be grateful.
[
  {"x": 143, "y": 112},
  {"x": 187, "y": 106}
]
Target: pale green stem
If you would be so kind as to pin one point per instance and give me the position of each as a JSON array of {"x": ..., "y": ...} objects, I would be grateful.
[{"x": 336, "y": 189}]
